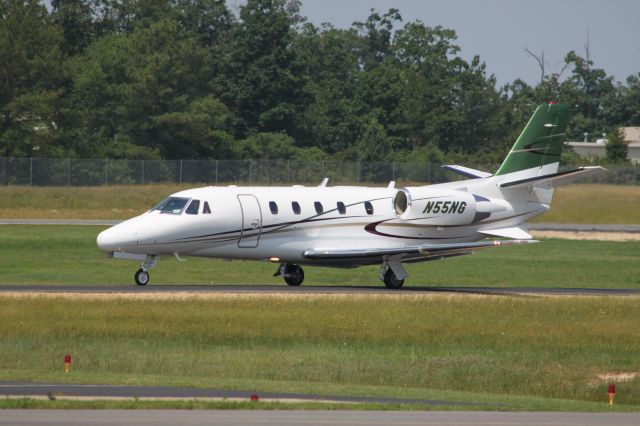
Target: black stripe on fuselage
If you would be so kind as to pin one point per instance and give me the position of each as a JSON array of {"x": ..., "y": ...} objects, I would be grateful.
[{"x": 281, "y": 225}]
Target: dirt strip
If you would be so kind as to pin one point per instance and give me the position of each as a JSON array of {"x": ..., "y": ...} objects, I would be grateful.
[
  {"x": 596, "y": 236},
  {"x": 186, "y": 296}
]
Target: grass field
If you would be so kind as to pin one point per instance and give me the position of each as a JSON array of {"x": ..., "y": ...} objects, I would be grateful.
[
  {"x": 531, "y": 353},
  {"x": 527, "y": 353},
  {"x": 32, "y": 254},
  {"x": 599, "y": 204}
]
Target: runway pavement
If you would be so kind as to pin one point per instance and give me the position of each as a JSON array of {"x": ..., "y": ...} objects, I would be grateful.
[
  {"x": 279, "y": 288},
  {"x": 308, "y": 418},
  {"x": 85, "y": 391}
]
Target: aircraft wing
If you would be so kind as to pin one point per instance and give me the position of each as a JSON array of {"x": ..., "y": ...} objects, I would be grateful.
[{"x": 424, "y": 251}]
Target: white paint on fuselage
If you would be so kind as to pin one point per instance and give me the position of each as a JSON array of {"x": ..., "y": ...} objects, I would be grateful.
[{"x": 286, "y": 235}]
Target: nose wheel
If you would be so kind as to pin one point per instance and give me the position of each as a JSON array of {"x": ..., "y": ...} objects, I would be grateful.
[{"x": 141, "y": 277}]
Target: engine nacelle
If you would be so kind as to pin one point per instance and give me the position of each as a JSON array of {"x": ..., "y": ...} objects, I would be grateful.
[{"x": 441, "y": 207}]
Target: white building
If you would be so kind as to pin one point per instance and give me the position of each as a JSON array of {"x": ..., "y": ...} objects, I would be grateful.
[{"x": 597, "y": 149}]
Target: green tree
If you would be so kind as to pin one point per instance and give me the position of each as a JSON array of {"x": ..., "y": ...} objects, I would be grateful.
[
  {"x": 266, "y": 146},
  {"x": 375, "y": 36},
  {"x": 446, "y": 101},
  {"x": 124, "y": 16},
  {"x": 379, "y": 93},
  {"x": 373, "y": 144},
  {"x": 331, "y": 75},
  {"x": 209, "y": 20},
  {"x": 30, "y": 78},
  {"x": 75, "y": 19},
  {"x": 592, "y": 91},
  {"x": 616, "y": 150},
  {"x": 625, "y": 110},
  {"x": 151, "y": 89},
  {"x": 262, "y": 79}
]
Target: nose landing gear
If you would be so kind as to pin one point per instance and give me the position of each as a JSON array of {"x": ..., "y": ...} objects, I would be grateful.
[
  {"x": 142, "y": 276},
  {"x": 293, "y": 274}
]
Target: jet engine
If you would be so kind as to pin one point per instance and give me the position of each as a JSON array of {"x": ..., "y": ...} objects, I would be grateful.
[{"x": 426, "y": 206}]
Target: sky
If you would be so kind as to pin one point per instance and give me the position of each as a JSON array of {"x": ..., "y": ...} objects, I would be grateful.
[{"x": 500, "y": 30}]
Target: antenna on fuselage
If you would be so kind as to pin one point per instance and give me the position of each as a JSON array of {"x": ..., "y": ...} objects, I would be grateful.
[{"x": 324, "y": 183}]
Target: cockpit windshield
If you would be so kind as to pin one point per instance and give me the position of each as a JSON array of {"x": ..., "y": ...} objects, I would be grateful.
[{"x": 172, "y": 205}]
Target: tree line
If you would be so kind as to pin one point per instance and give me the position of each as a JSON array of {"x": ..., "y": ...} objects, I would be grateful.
[{"x": 171, "y": 79}]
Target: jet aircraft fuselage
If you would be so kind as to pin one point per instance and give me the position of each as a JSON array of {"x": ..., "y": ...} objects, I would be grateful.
[{"x": 348, "y": 226}]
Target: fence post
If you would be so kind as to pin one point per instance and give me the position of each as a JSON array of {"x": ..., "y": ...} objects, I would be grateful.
[
  {"x": 216, "y": 172},
  {"x": 142, "y": 172},
  {"x": 68, "y": 171},
  {"x": 180, "y": 178},
  {"x": 250, "y": 171},
  {"x": 393, "y": 170},
  {"x": 358, "y": 178},
  {"x": 288, "y": 171},
  {"x": 31, "y": 171},
  {"x": 106, "y": 171}
]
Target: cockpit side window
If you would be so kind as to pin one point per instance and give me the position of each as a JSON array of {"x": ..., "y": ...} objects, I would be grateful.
[
  {"x": 193, "y": 207},
  {"x": 206, "y": 209},
  {"x": 171, "y": 205}
]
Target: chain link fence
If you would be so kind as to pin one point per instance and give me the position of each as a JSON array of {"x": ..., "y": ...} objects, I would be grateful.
[{"x": 95, "y": 172}]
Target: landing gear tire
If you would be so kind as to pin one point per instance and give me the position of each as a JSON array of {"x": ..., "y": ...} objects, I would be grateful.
[
  {"x": 141, "y": 277},
  {"x": 391, "y": 281},
  {"x": 293, "y": 275}
]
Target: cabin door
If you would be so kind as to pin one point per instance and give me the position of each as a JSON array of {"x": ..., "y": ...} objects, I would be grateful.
[{"x": 251, "y": 221}]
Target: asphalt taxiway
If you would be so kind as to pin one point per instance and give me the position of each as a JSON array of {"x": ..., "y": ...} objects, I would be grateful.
[
  {"x": 310, "y": 289},
  {"x": 110, "y": 392},
  {"x": 309, "y": 418}
]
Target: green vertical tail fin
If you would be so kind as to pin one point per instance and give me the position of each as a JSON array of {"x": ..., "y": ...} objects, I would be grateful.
[{"x": 540, "y": 143}]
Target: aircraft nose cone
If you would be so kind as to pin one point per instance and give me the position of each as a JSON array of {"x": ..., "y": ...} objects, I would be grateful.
[
  {"x": 119, "y": 237},
  {"x": 106, "y": 240}
]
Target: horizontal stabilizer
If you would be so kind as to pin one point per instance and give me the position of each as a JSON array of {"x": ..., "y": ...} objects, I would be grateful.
[
  {"x": 466, "y": 171},
  {"x": 516, "y": 233},
  {"x": 555, "y": 179}
]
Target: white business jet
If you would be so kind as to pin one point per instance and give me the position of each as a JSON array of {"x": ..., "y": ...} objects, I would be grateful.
[{"x": 347, "y": 226}]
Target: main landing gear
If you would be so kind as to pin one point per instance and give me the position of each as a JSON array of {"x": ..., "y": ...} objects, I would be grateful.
[
  {"x": 392, "y": 273},
  {"x": 293, "y": 274},
  {"x": 142, "y": 276},
  {"x": 391, "y": 281}
]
